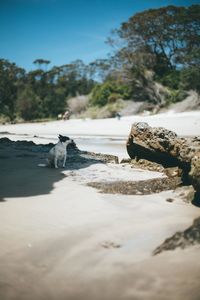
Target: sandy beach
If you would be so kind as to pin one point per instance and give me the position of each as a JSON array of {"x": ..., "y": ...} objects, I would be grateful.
[
  {"x": 62, "y": 239},
  {"x": 185, "y": 123},
  {"x": 104, "y": 136}
]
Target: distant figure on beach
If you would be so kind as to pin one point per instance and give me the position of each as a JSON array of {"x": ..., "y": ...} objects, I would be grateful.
[
  {"x": 118, "y": 115},
  {"x": 66, "y": 115}
]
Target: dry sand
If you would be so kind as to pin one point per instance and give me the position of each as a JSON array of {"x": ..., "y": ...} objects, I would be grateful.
[
  {"x": 186, "y": 123},
  {"x": 63, "y": 240}
]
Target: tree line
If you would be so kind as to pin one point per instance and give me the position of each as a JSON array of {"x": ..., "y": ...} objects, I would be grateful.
[{"x": 165, "y": 41}]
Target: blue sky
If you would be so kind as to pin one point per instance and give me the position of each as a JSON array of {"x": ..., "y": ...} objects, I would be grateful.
[{"x": 64, "y": 30}]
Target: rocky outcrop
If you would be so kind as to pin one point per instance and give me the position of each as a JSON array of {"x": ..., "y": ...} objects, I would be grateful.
[
  {"x": 141, "y": 187},
  {"x": 163, "y": 146}
]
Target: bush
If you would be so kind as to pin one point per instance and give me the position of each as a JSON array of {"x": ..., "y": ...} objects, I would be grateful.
[
  {"x": 4, "y": 119},
  {"x": 176, "y": 96},
  {"x": 107, "y": 111},
  {"x": 171, "y": 79},
  {"x": 113, "y": 97},
  {"x": 103, "y": 93},
  {"x": 190, "y": 78},
  {"x": 100, "y": 94}
]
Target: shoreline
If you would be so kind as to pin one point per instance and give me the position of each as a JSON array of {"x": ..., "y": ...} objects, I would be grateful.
[{"x": 102, "y": 135}]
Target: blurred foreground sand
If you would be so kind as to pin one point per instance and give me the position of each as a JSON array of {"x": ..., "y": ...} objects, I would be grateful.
[{"x": 61, "y": 239}]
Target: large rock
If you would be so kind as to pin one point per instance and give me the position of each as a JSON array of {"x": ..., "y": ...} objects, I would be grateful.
[{"x": 163, "y": 146}]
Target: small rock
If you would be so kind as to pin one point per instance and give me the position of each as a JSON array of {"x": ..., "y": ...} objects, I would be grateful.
[{"x": 170, "y": 200}]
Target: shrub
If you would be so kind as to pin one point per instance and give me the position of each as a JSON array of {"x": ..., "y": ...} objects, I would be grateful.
[
  {"x": 176, "y": 96},
  {"x": 107, "y": 111},
  {"x": 27, "y": 105},
  {"x": 103, "y": 93},
  {"x": 190, "y": 78},
  {"x": 113, "y": 97},
  {"x": 171, "y": 79},
  {"x": 4, "y": 119}
]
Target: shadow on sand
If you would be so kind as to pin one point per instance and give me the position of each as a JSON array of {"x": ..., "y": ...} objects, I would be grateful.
[{"x": 21, "y": 174}]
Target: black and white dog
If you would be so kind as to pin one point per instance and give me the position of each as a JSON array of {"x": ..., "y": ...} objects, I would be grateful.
[{"x": 59, "y": 152}]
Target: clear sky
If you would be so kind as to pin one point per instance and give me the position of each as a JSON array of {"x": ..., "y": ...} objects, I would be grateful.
[{"x": 64, "y": 30}]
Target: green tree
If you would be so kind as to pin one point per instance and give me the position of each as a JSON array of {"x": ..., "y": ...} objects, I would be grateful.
[
  {"x": 190, "y": 78},
  {"x": 100, "y": 69},
  {"x": 165, "y": 40},
  {"x": 169, "y": 32},
  {"x": 28, "y": 104},
  {"x": 41, "y": 63},
  {"x": 107, "y": 92},
  {"x": 74, "y": 78},
  {"x": 11, "y": 78}
]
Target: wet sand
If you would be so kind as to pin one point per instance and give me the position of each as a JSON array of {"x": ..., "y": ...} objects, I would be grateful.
[{"x": 61, "y": 239}]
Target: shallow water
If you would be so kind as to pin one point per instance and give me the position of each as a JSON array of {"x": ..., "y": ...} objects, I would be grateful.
[
  {"x": 99, "y": 144},
  {"x": 114, "y": 146}
]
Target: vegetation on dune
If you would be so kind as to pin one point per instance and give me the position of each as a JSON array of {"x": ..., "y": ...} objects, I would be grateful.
[
  {"x": 109, "y": 92},
  {"x": 157, "y": 46}
]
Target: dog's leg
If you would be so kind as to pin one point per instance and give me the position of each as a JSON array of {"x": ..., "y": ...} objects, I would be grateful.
[
  {"x": 48, "y": 162},
  {"x": 55, "y": 162},
  {"x": 64, "y": 160}
]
